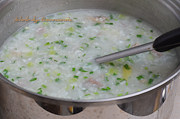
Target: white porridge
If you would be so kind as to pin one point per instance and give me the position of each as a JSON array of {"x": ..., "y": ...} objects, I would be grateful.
[{"x": 57, "y": 58}]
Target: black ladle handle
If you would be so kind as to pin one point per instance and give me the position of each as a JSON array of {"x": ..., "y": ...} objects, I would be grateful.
[{"x": 167, "y": 41}]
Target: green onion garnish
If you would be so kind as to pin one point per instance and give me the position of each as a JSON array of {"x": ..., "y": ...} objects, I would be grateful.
[
  {"x": 126, "y": 66},
  {"x": 140, "y": 77},
  {"x": 106, "y": 89},
  {"x": 33, "y": 79}
]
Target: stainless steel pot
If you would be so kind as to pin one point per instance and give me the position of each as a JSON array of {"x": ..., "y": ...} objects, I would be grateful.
[{"x": 163, "y": 14}]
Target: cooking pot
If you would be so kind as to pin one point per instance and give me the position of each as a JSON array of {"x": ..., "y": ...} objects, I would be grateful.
[{"x": 162, "y": 14}]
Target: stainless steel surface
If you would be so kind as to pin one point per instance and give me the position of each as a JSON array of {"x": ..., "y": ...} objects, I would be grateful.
[
  {"x": 173, "y": 5},
  {"x": 128, "y": 52},
  {"x": 22, "y": 107},
  {"x": 60, "y": 109},
  {"x": 137, "y": 107},
  {"x": 152, "y": 11}
]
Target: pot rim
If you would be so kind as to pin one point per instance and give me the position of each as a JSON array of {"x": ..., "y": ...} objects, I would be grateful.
[{"x": 88, "y": 102}]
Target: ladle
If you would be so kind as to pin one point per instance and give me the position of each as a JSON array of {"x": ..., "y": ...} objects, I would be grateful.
[{"x": 163, "y": 43}]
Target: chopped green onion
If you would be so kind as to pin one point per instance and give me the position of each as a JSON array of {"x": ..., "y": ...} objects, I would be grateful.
[
  {"x": 91, "y": 72},
  {"x": 20, "y": 68},
  {"x": 89, "y": 63},
  {"x": 65, "y": 57},
  {"x": 73, "y": 80},
  {"x": 76, "y": 76},
  {"x": 73, "y": 87},
  {"x": 146, "y": 68},
  {"x": 128, "y": 46},
  {"x": 71, "y": 29},
  {"x": 117, "y": 83},
  {"x": 137, "y": 27},
  {"x": 85, "y": 77},
  {"x": 5, "y": 71},
  {"x": 120, "y": 94},
  {"x": 48, "y": 43},
  {"x": 55, "y": 60},
  {"x": 44, "y": 86},
  {"x": 92, "y": 38},
  {"x": 109, "y": 23},
  {"x": 57, "y": 79},
  {"x": 150, "y": 72},
  {"x": 37, "y": 48},
  {"x": 40, "y": 62},
  {"x": 111, "y": 16},
  {"x": 101, "y": 66},
  {"x": 45, "y": 35},
  {"x": 121, "y": 79},
  {"x": 81, "y": 48},
  {"x": 139, "y": 35},
  {"x": 59, "y": 13},
  {"x": 39, "y": 91},
  {"x": 97, "y": 24},
  {"x": 155, "y": 75},
  {"x": 33, "y": 74},
  {"x": 87, "y": 45},
  {"x": 73, "y": 69},
  {"x": 114, "y": 74},
  {"x": 50, "y": 58},
  {"x": 33, "y": 79},
  {"x": 87, "y": 94},
  {"x": 62, "y": 63},
  {"x": 58, "y": 74},
  {"x": 80, "y": 36},
  {"x": 96, "y": 93},
  {"x": 37, "y": 22},
  {"x": 112, "y": 64},
  {"x": 126, "y": 66},
  {"x": 128, "y": 59},
  {"x": 59, "y": 42},
  {"x": 106, "y": 89},
  {"x": 30, "y": 64},
  {"x": 150, "y": 81},
  {"x": 18, "y": 77},
  {"x": 82, "y": 70},
  {"x": 24, "y": 30},
  {"x": 121, "y": 16},
  {"x": 78, "y": 26},
  {"x": 31, "y": 38},
  {"x": 70, "y": 34},
  {"x": 150, "y": 37},
  {"x": 140, "y": 77},
  {"x": 45, "y": 70},
  {"x": 84, "y": 55},
  {"x": 106, "y": 78},
  {"x": 65, "y": 46},
  {"x": 48, "y": 74},
  {"x": 6, "y": 76},
  {"x": 139, "y": 20}
]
